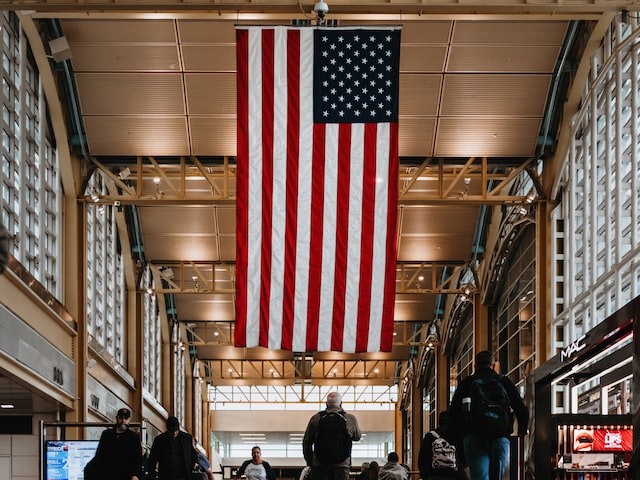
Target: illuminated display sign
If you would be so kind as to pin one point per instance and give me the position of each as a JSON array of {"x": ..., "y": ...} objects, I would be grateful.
[
  {"x": 573, "y": 348},
  {"x": 65, "y": 459},
  {"x": 602, "y": 440}
]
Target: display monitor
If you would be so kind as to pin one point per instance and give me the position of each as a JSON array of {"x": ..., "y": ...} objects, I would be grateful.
[
  {"x": 65, "y": 459},
  {"x": 602, "y": 440}
]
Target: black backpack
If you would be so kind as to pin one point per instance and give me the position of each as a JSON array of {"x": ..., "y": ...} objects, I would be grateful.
[
  {"x": 490, "y": 407},
  {"x": 333, "y": 442}
]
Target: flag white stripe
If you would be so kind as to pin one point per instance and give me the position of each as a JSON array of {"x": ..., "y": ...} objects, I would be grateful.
[
  {"x": 279, "y": 193},
  {"x": 304, "y": 191},
  {"x": 355, "y": 236},
  {"x": 254, "y": 227},
  {"x": 380, "y": 236},
  {"x": 325, "y": 320}
]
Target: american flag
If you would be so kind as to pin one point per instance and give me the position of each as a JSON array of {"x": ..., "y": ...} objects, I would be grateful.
[{"x": 317, "y": 188}]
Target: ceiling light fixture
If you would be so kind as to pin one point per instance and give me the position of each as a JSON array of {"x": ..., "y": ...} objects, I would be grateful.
[
  {"x": 463, "y": 193},
  {"x": 159, "y": 193},
  {"x": 433, "y": 336},
  {"x": 467, "y": 289}
]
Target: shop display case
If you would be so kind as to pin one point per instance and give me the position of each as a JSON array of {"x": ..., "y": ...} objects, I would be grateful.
[{"x": 591, "y": 447}]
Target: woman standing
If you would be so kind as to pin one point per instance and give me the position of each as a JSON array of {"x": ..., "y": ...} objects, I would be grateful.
[{"x": 256, "y": 468}]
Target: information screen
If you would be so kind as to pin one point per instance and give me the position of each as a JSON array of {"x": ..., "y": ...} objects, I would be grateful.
[{"x": 65, "y": 459}]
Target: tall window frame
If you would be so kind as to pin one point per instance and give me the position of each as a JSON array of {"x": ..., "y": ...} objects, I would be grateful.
[
  {"x": 106, "y": 284},
  {"x": 152, "y": 338},
  {"x": 31, "y": 185},
  {"x": 181, "y": 360},
  {"x": 596, "y": 225}
]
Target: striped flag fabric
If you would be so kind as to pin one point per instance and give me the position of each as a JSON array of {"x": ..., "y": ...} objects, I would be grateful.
[{"x": 317, "y": 188}]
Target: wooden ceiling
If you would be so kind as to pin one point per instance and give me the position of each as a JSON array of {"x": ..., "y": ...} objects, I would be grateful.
[
  {"x": 167, "y": 87},
  {"x": 473, "y": 97},
  {"x": 157, "y": 98}
]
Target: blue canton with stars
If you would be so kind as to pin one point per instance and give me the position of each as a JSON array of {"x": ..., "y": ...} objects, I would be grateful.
[{"x": 356, "y": 76}]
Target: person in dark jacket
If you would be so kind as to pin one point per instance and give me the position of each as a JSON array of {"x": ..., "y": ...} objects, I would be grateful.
[
  {"x": 118, "y": 456},
  {"x": 486, "y": 452},
  {"x": 256, "y": 468},
  {"x": 425, "y": 457},
  {"x": 326, "y": 471},
  {"x": 172, "y": 454}
]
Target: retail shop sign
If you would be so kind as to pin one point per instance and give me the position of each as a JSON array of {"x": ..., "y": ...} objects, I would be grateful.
[{"x": 574, "y": 347}]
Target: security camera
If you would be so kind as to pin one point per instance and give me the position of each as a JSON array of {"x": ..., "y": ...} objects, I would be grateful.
[{"x": 321, "y": 9}]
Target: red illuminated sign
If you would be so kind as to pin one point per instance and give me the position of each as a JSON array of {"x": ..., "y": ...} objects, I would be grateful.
[{"x": 602, "y": 440}]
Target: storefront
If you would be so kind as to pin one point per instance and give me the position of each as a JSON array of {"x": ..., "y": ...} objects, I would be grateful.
[{"x": 586, "y": 399}]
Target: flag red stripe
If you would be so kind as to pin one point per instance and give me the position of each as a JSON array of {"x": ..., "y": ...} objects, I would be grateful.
[
  {"x": 316, "y": 236},
  {"x": 366, "y": 239},
  {"x": 242, "y": 180},
  {"x": 267, "y": 181},
  {"x": 392, "y": 215},
  {"x": 293, "y": 151},
  {"x": 342, "y": 235}
]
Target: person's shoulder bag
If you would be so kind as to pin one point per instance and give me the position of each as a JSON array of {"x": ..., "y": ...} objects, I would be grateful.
[{"x": 198, "y": 474}]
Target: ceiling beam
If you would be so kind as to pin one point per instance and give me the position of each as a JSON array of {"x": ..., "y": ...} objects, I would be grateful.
[
  {"x": 179, "y": 277},
  {"x": 338, "y": 9},
  {"x": 151, "y": 182}
]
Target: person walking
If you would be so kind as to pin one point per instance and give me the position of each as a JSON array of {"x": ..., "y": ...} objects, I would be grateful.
[
  {"x": 256, "y": 468},
  {"x": 482, "y": 409},
  {"x": 326, "y": 444},
  {"x": 438, "y": 457},
  {"x": 172, "y": 454},
  {"x": 392, "y": 470},
  {"x": 118, "y": 455}
]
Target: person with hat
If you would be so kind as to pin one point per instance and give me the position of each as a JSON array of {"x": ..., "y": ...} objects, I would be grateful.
[
  {"x": 172, "y": 456},
  {"x": 118, "y": 456}
]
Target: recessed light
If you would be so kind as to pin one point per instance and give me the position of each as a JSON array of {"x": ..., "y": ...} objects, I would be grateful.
[{"x": 7, "y": 405}]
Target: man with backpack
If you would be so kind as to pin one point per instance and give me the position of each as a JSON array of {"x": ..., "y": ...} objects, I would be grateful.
[
  {"x": 327, "y": 441},
  {"x": 482, "y": 411}
]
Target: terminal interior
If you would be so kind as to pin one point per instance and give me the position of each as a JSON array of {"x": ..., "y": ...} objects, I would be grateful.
[{"x": 517, "y": 230}]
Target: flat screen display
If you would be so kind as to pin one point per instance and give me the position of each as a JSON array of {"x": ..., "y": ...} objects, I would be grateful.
[
  {"x": 65, "y": 459},
  {"x": 602, "y": 440}
]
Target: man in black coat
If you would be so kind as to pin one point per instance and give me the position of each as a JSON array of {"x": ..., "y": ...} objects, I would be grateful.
[
  {"x": 118, "y": 456},
  {"x": 172, "y": 453},
  {"x": 486, "y": 449}
]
